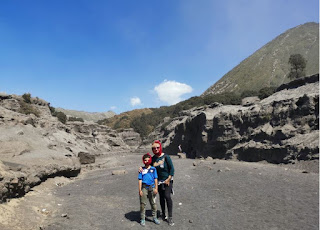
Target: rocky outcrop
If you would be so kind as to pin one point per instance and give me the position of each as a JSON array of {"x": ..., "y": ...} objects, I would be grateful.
[
  {"x": 282, "y": 128},
  {"x": 34, "y": 145}
]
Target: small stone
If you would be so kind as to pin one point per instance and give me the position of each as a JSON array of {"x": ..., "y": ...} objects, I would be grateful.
[
  {"x": 119, "y": 172},
  {"x": 219, "y": 170},
  {"x": 180, "y": 203},
  {"x": 190, "y": 221},
  {"x": 64, "y": 215}
]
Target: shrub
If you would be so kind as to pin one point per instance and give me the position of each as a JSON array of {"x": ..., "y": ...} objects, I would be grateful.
[
  {"x": 249, "y": 93},
  {"x": 52, "y": 110},
  {"x": 26, "y": 108},
  {"x": 27, "y": 98},
  {"x": 266, "y": 92},
  {"x": 227, "y": 98},
  {"x": 61, "y": 117},
  {"x": 298, "y": 64}
]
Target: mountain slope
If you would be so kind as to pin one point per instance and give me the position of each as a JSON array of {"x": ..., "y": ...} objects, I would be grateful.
[
  {"x": 268, "y": 67},
  {"x": 123, "y": 120},
  {"x": 86, "y": 115}
]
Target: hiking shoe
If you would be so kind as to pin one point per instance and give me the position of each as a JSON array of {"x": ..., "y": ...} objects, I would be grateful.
[
  {"x": 170, "y": 221},
  {"x": 143, "y": 223},
  {"x": 156, "y": 221},
  {"x": 164, "y": 217}
]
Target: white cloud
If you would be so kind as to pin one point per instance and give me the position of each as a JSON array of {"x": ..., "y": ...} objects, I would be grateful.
[
  {"x": 171, "y": 91},
  {"x": 135, "y": 101},
  {"x": 113, "y": 107}
]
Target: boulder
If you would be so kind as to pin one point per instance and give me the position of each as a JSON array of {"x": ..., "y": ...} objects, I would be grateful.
[{"x": 86, "y": 158}]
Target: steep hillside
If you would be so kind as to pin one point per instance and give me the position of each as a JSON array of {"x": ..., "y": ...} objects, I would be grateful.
[
  {"x": 87, "y": 116},
  {"x": 268, "y": 67},
  {"x": 123, "y": 120}
]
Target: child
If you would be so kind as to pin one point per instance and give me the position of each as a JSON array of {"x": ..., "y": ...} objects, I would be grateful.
[{"x": 148, "y": 188}]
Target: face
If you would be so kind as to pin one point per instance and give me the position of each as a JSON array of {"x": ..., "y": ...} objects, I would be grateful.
[
  {"x": 155, "y": 148},
  {"x": 146, "y": 160}
]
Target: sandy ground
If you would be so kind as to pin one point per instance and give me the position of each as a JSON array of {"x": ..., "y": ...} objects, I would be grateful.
[{"x": 214, "y": 194}]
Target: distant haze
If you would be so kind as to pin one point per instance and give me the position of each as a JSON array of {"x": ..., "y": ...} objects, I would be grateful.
[{"x": 87, "y": 116}]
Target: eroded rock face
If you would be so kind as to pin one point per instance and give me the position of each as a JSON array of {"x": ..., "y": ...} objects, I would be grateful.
[
  {"x": 36, "y": 146},
  {"x": 279, "y": 129}
]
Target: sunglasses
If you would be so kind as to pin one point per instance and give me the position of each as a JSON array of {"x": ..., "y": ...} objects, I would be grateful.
[{"x": 155, "y": 147}]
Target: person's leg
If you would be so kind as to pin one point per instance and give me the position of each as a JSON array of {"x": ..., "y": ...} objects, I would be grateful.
[
  {"x": 162, "y": 200},
  {"x": 152, "y": 200},
  {"x": 168, "y": 199},
  {"x": 167, "y": 195},
  {"x": 143, "y": 203}
]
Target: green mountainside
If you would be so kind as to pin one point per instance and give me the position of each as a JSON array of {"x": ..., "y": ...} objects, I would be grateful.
[{"x": 268, "y": 66}]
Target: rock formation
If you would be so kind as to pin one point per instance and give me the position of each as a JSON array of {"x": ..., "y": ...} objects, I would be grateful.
[
  {"x": 34, "y": 145},
  {"x": 282, "y": 128}
]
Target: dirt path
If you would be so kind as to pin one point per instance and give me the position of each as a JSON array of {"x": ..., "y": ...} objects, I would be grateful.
[{"x": 211, "y": 195}]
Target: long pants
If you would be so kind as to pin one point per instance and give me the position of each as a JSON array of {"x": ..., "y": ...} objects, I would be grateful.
[
  {"x": 143, "y": 202},
  {"x": 165, "y": 197}
]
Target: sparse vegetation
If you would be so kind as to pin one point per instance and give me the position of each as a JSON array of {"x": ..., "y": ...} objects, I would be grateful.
[
  {"x": 75, "y": 119},
  {"x": 297, "y": 66},
  {"x": 60, "y": 115},
  {"x": 27, "y": 98},
  {"x": 249, "y": 93},
  {"x": 266, "y": 92},
  {"x": 26, "y": 108}
]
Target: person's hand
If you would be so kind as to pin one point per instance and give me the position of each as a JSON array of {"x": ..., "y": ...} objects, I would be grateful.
[
  {"x": 155, "y": 164},
  {"x": 155, "y": 191},
  {"x": 167, "y": 181},
  {"x": 140, "y": 169},
  {"x": 140, "y": 193}
]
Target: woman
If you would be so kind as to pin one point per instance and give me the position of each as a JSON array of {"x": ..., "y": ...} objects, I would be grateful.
[{"x": 165, "y": 170}]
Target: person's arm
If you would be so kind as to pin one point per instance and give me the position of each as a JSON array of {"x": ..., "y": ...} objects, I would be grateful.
[
  {"x": 155, "y": 164},
  {"x": 171, "y": 170},
  {"x": 140, "y": 188},
  {"x": 167, "y": 181},
  {"x": 155, "y": 181},
  {"x": 155, "y": 191}
]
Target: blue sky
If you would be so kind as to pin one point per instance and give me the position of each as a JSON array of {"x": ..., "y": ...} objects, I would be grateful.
[{"x": 120, "y": 55}]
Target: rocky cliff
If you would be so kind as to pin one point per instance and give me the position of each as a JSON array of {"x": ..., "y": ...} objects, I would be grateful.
[
  {"x": 282, "y": 128},
  {"x": 34, "y": 145}
]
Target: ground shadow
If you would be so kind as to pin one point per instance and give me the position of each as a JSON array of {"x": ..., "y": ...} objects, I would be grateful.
[{"x": 135, "y": 215}]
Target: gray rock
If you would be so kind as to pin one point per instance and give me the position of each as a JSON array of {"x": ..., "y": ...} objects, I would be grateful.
[
  {"x": 270, "y": 130},
  {"x": 86, "y": 158},
  {"x": 248, "y": 101},
  {"x": 119, "y": 172}
]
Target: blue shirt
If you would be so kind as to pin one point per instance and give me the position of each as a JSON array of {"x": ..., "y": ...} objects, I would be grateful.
[{"x": 148, "y": 175}]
